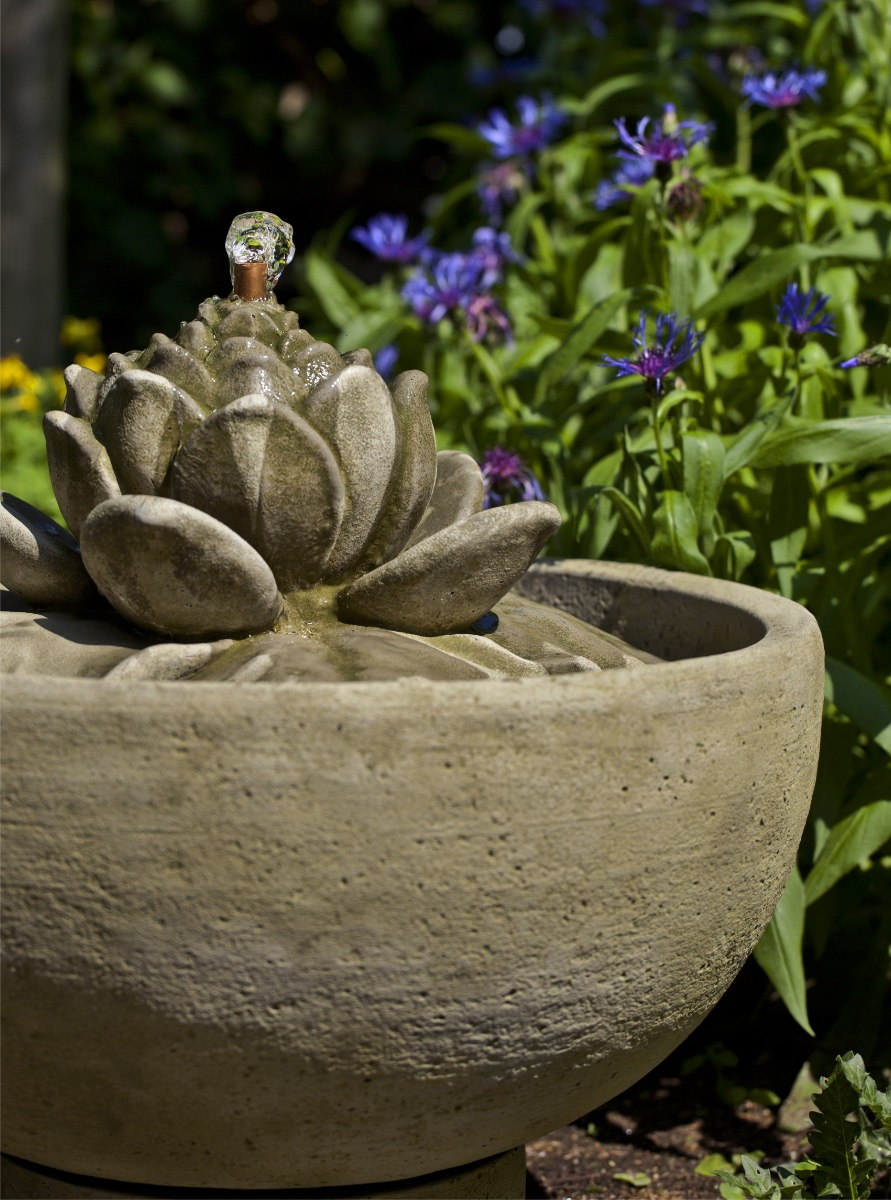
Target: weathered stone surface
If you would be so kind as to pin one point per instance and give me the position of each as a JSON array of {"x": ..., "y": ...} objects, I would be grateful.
[
  {"x": 251, "y": 322},
  {"x": 414, "y": 474},
  {"x": 38, "y": 558},
  {"x": 169, "y": 660},
  {"x": 164, "y": 357},
  {"x": 170, "y": 568},
  {"x": 500, "y": 1177},
  {"x": 294, "y": 342},
  {"x": 546, "y": 635},
  {"x": 251, "y": 373},
  {"x": 349, "y": 654},
  {"x": 316, "y": 362},
  {"x": 451, "y": 578},
  {"x": 143, "y": 421},
  {"x": 79, "y": 467},
  {"x": 196, "y": 337},
  {"x": 263, "y": 471},
  {"x": 312, "y": 913},
  {"x": 457, "y": 494},
  {"x": 81, "y": 391},
  {"x": 64, "y": 645},
  {"x": 353, "y": 411}
]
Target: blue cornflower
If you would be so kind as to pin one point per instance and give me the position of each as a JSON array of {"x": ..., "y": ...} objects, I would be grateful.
[
  {"x": 589, "y": 12},
  {"x": 386, "y": 237},
  {"x": 385, "y": 359},
  {"x": 801, "y": 311},
  {"x": 492, "y": 249},
  {"x": 445, "y": 284},
  {"x": 506, "y": 477},
  {"x": 498, "y": 186},
  {"x": 631, "y": 171},
  {"x": 675, "y": 342},
  {"x": 667, "y": 142},
  {"x": 540, "y": 121},
  {"x": 782, "y": 89}
]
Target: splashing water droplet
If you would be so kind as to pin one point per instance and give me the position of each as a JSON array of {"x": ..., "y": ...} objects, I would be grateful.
[{"x": 260, "y": 237}]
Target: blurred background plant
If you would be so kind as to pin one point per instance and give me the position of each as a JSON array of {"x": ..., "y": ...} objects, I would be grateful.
[{"x": 642, "y": 251}]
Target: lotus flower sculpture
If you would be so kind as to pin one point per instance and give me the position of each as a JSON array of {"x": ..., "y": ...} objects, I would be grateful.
[{"x": 243, "y": 476}]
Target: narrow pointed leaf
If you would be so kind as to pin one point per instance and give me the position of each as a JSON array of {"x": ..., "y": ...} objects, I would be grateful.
[
  {"x": 852, "y": 840},
  {"x": 779, "y": 952}
]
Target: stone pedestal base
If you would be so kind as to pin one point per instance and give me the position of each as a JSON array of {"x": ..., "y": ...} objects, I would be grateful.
[{"x": 502, "y": 1177}]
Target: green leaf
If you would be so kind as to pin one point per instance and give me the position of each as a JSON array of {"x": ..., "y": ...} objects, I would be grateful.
[
  {"x": 583, "y": 336},
  {"x": 868, "y": 1094},
  {"x": 640, "y": 1179},
  {"x": 336, "y": 302},
  {"x": 703, "y": 457},
  {"x": 612, "y": 87},
  {"x": 846, "y": 440},
  {"x": 863, "y": 700},
  {"x": 834, "y": 1137},
  {"x": 630, "y": 515},
  {"x": 675, "y": 534},
  {"x": 852, "y": 840},
  {"x": 788, "y": 522},
  {"x": 459, "y": 136},
  {"x": 712, "y": 1164},
  {"x": 743, "y": 448},
  {"x": 779, "y": 954},
  {"x": 758, "y": 277}
]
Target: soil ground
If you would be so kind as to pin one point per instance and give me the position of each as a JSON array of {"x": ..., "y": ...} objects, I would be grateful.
[
  {"x": 647, "y": 1143},
  {"x": 710, "y": 1097}
]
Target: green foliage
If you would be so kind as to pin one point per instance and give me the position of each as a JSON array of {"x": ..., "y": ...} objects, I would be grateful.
[
  {"x": 759, "y": 459},
  {"x": 850, "y": 1142}
]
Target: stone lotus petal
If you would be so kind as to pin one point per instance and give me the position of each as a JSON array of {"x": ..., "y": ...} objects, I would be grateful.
[
  {"x": 451, "y": 578},
  {"x": 457, "y": 494},
  {"x": 81, "y": 391},
  {"x": 79, "y": 467},
  {"x": 246, "y": 367},
  {"x": 164, "y": 357},
  {"x": 353, "y": 411},
  {"x": 143, "y": 421},
  {"x": 168, "y": 567},
  {"x": 238, "y": 466},
  {"x": 41, "y": 560},
  {"x": 255, "y": 323},
  {"x": 411, "y": 483}
]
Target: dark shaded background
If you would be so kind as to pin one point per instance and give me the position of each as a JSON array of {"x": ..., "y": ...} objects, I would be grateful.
[{"x": 182, "y": 113}]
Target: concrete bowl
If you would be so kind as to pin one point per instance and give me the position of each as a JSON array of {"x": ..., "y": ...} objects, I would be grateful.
[{"x": 307, "y": 935}]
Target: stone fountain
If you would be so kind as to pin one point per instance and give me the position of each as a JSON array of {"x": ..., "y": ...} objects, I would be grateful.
[{"x": 346, "y": 847}]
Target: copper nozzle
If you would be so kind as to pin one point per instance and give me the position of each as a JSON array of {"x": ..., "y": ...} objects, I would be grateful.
[{"x": 250, "y": 281}]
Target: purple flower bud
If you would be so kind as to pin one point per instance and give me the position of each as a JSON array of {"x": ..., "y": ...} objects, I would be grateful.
[{"x": 506, "y": 477}]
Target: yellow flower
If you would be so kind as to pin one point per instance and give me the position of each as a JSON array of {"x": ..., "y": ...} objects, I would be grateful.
[
  {"x": 29, "y": 401},
  {"x": 94, "y": 362},
  {"x": 14, "y": 375},
  {"x": 80, "y": 331}
]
